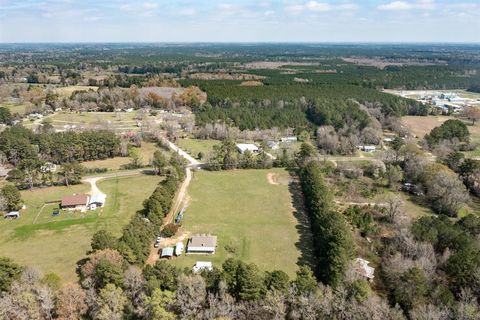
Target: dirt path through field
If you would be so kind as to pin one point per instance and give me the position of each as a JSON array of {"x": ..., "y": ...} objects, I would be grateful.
[{"x": 178, "y": 203}]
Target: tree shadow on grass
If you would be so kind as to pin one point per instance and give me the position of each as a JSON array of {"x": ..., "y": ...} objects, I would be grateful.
[{"x": 305, "y": 243}]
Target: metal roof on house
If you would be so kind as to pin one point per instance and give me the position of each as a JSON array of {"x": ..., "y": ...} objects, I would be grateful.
[
  {"x": 75, "y": 200},
  {"x": 242, "y": 147},
  {"x": 203, "y": 241}
]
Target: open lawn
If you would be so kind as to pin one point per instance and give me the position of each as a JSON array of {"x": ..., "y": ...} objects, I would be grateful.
[
  {"x": 66, "y": 92},
  {"x": 55, "y": 244},
  {"x": 118, "y": 121},
  {"x": 194, "y": 146},
  {"x": 420, "y": 126},
  {"x": 15, "y": 108},
  {"x": 252, "y": 213},
  {"x": 113, "y": 164},
  {"x": 423, "y": 125}
]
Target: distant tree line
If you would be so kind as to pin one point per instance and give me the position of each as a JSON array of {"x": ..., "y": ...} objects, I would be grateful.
[{"x": 18, "y": 144}]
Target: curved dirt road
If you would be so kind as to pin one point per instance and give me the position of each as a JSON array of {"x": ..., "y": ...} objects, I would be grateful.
[{"x": 179, "y": 198}]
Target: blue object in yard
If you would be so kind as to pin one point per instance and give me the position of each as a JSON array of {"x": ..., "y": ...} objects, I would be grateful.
[
  {"x": 179, "y": 217},
  {"x": 167, "y": 252},
  {"x": 55, "y": 213}
]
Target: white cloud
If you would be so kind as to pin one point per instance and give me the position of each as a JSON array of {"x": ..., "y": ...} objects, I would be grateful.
[
  {"x": 318, "y": 6},
  {"x": 187, "y": 12},
  {"x": 404, "y": 5},
  {"x": 150, "y": 5},
  {"x": 315, "y": 6}
]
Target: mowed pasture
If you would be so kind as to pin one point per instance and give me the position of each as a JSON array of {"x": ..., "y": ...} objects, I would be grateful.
[
  {"x": 15, "y": 108},
  {"x": 252, "y": 213},
  {"x": 195, "y": 146},
  {"x": 56, "y": 244},
  {"x": 114, "y": 164},
  {"x": 116, "y": 121}
]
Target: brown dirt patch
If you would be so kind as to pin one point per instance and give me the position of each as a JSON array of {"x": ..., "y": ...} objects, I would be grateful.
[
  {"x": 275, "y": 179},
  {"x": 251, "y": 83}
]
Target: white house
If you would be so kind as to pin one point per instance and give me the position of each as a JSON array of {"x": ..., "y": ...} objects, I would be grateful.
[
  {"x": 202, "y": 244},
  {"x": 202, "y": 265},
  {"x": 289, "y": 139},
  {"x": 363, "y": 269},
  {"x": 243, "y": 147},
  {"x": 367, "y": 148},
  {"x": 48, "y": 167},
  {"x": 75, "y": 202}
]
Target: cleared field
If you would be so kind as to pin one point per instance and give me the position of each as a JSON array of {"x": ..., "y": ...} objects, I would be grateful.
[
  {"x": 194, "y": 146},
  {"x": 55, "y": 244},
  {"x": 252, "y": 213},
  {"x": 118, "y": 121},
  {"x": 423, "y": 125},
  {"x": 67, "y": 91},
  {"x": 114, "y": 164},
  {"x": 15, "y": 108}
]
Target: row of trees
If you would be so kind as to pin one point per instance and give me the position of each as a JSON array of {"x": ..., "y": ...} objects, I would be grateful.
[
  {"x": 111, "y": 289},
  {"x": 225, "y": 156},
  {"x": 137, "y": 235},
  {"x": 332, "y": 238},
  {"x": 19, "y": 144}
]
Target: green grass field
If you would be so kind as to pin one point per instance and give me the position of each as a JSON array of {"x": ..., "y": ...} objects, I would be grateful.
[
  {"x": 114, "y": 164},
  {"x": 194, "y": 146},
  {"x": 249, "y": 214},
  {"x": 118, "y": 121},
  {"x": 55, "y": 244},
  {"x": 15, "y": 108}
]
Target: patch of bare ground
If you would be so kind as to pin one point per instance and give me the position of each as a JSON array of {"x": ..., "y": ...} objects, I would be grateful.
[
  {"x": 275, "y": 179},
  {"x": 251, "y": 83}
]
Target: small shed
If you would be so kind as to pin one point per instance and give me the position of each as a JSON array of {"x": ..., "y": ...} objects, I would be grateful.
[
  {"x": 202, "y": 244},
  {"x": 202, "y": 265},
  {"x": 243, "y": 147},
  {"x": 167, "y": 252},
  {"x": 179, "y": 248},
  {"x": 12, "y": 215}
]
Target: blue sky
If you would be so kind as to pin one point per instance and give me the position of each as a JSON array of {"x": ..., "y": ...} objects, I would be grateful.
[{"x": 239, "y": 21}]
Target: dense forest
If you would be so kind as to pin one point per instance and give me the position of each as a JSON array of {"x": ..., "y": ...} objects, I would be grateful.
[{"x": 288, "y": 105}]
